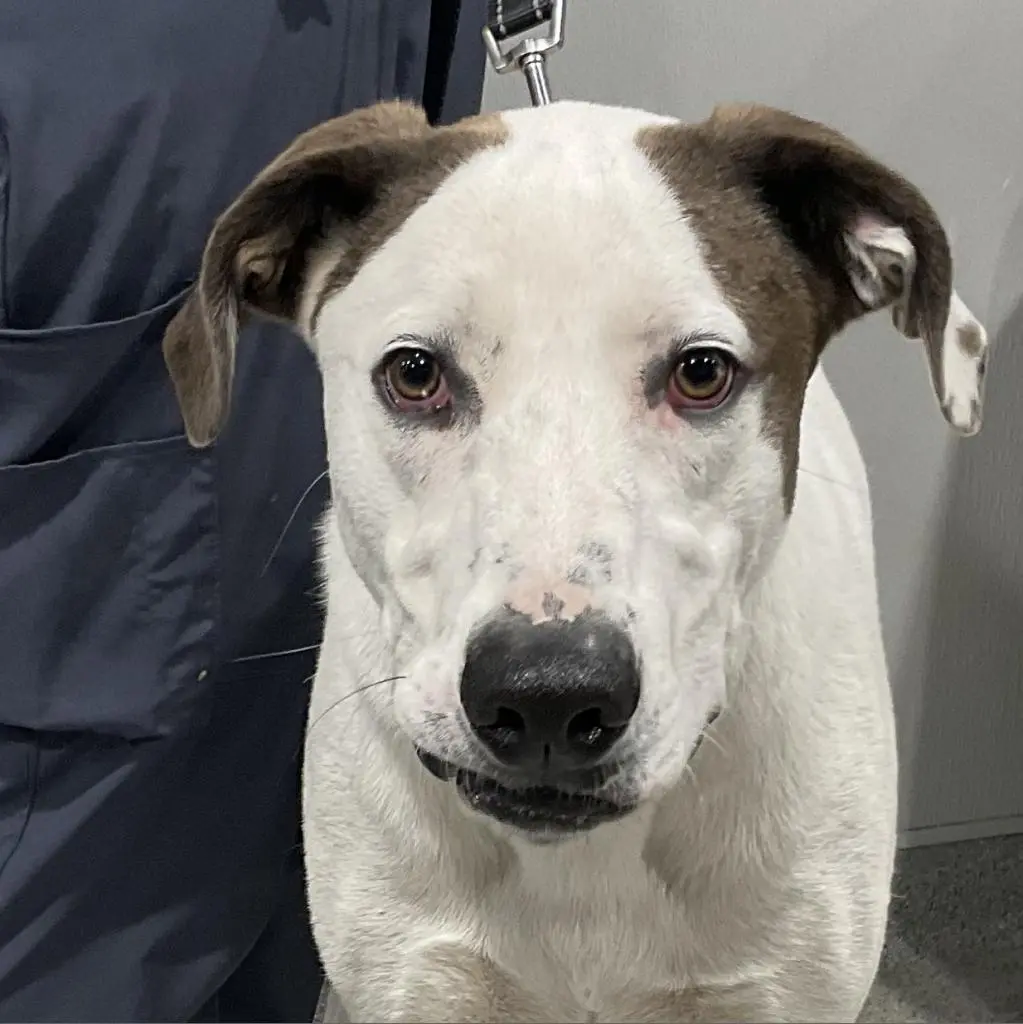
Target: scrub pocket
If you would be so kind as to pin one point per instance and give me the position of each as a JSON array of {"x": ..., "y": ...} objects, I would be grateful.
[{"x": 109, "y": 561}]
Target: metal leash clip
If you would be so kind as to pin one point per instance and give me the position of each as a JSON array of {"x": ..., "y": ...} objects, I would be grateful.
[{"x": 507, "y": 21}]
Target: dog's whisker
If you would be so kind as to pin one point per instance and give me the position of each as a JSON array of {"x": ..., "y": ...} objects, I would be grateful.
[
  {"x": 275, "y": 654},
  {"x": 354, "y": 693},
  {"x": 291, "y": 519}
]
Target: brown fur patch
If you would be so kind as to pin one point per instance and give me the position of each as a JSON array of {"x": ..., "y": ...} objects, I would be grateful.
[
  {"x": 424, "y": 169},
  {"x": 971, "y": 341},
  {"x": 772, "y": 197},
  {"x": 348, "y": 183},
  {"x": 201, "y": 366}
]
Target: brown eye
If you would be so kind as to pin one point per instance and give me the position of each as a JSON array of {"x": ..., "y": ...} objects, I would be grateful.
[
  {"x": 414, "y": 380},
  {"x": 702, "y": 379}
]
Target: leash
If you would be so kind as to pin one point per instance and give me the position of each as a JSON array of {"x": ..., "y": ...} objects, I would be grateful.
[{"x": 519, "y": 34}]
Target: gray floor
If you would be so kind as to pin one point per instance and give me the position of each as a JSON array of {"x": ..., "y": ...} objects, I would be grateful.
[{"x": 955, "y": 939}]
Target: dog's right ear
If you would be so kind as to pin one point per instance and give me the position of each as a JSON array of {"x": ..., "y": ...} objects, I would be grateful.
[{"x": 256, "y": 257}]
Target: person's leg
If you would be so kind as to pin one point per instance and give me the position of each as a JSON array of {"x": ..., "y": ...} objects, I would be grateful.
[{"x": 280, "y": 979}]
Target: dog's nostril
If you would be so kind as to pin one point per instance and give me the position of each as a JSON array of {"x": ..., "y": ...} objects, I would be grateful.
[
  {"x": 590, "y": 734},
  {"x": 506, "y": 734}
]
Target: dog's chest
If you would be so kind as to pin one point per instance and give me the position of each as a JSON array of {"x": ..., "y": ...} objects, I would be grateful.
[{"x": 589, "y": 940}]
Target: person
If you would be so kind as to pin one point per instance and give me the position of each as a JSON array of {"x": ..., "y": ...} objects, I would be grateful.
[{"x": 159, "y": 605}]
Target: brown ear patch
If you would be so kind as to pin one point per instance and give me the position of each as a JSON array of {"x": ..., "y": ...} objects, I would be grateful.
[
  {"x": 341, "y": 188},
  {"x": 201, "y": 365},
  {"x": 819, "y": 185},
  {"x": 329, "y": 175},
  {"x": 426, "y": 167},
  {"x": 805, "y": 232}
]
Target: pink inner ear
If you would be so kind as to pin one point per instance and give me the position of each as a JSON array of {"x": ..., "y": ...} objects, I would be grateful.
[
  {"x": 867, "y": 224},
  {"x": 883, "y": 264}
]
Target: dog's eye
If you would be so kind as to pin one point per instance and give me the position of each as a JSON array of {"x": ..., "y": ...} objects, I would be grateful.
[
  {"x": 702, "y": 379},
  {"x": 414, "y": 380}
]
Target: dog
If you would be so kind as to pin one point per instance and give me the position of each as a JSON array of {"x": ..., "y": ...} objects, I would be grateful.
[{"x": 602, "y": 727}]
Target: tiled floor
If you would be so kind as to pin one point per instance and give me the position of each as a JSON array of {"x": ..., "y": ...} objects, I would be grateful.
[{"x": 955, "y": 939}]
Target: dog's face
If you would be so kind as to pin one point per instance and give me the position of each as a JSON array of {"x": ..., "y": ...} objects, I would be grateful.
[{"x": 564, "y": 353}]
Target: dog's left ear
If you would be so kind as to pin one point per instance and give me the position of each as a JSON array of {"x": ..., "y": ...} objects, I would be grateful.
[
  {"x": 869, "y": 237},
  {"x": 255, "y": 260}
]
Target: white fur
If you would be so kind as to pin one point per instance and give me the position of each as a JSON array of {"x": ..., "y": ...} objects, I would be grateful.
[{"x": 752, "y": 881}]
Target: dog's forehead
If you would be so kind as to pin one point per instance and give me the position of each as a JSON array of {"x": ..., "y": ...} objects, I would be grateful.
[
  {"x": 582, "y": 229},
  {"x": 564, "y": 222}
]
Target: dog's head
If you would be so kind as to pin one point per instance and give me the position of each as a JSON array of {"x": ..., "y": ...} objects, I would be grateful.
[{"x": 564, "y": 354}]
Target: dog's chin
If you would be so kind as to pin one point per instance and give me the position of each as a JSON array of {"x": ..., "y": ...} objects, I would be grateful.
[{"x": 543, "y": 814}]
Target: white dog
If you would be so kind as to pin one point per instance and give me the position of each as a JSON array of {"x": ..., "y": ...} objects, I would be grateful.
[{"x": 593, "y": 504}]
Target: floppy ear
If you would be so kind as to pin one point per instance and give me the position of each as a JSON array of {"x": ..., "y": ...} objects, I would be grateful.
[
  {"x": 256, "y": 258},
  {"x": 869, "y": 238}
]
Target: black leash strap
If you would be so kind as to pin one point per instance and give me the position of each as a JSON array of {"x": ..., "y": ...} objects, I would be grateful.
[{"x": 519, "y": 34}]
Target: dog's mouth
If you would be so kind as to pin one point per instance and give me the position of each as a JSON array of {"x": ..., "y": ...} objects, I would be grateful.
[{"x": 541, "y": 811}]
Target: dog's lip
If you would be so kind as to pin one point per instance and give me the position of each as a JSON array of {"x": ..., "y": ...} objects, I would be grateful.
[
  {"x": 435, "y": 766},
  {"x": 531, "y": 808},
  {"x": 537, "y": 808}
]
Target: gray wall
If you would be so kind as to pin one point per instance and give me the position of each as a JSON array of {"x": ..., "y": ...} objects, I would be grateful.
[{"x": 934, "y": 88}]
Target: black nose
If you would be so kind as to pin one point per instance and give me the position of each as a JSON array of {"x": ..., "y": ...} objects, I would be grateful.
[{"x": 554, "y": 695}]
